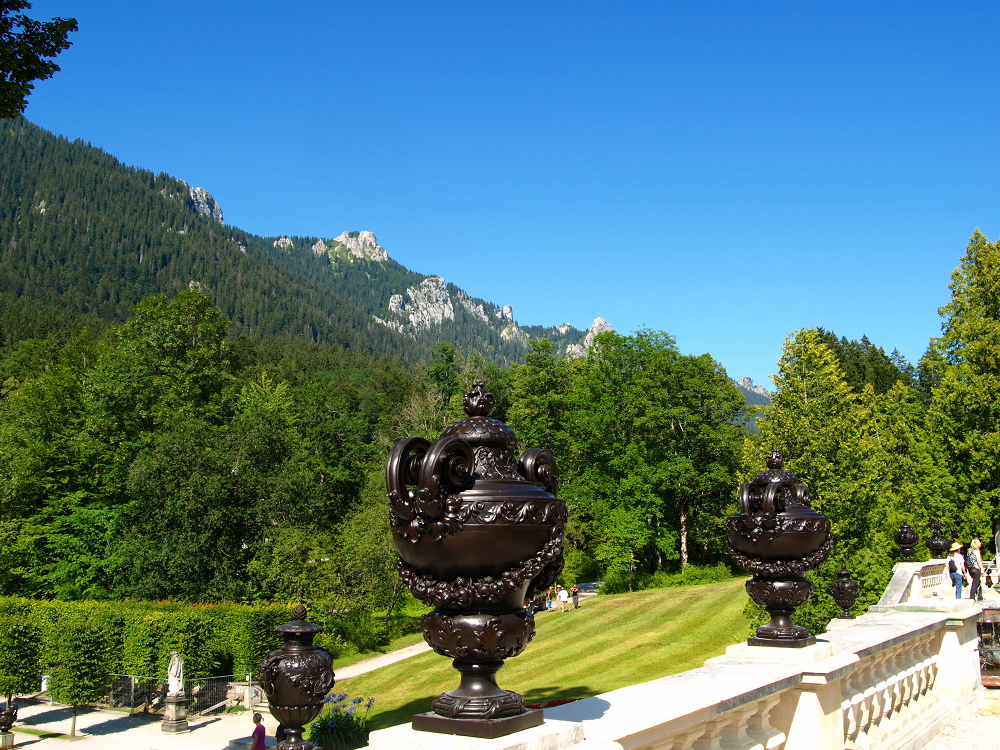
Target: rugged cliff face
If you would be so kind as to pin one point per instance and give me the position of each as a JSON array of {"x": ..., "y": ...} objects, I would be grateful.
[
  {"x": 426, "y": 308},
  {"x": 204, "y": 203},
  {"x": 600, "y": 325},
  {"x": 746, "y": 384}
]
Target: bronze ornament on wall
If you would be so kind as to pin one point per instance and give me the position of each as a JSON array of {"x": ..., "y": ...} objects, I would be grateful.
[
  {"x": 479, "y": 531},
  {"x": 777, "y": 536},
  {"x": 296, "y": 678}
]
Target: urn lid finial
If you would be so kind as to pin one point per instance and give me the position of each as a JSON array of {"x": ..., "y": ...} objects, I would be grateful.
[
  {"x": 478, "y": 402},
  {"x": 775, "y": 473},
  {"x": 478, "y": 428},
  {"x": 298, "y": 626}
]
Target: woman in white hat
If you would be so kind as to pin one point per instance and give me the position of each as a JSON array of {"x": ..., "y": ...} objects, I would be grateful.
[{"x": 956, "y": 566}]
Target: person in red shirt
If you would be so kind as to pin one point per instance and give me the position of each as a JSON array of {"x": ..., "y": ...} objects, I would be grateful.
[{"x": 258, "y": 733}]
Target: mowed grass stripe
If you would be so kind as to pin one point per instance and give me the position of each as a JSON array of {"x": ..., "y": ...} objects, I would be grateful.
[{"x": 609, "y": 643}]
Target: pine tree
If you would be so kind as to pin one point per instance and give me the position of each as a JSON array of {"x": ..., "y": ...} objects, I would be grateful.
[{"x": 965, "y": 409}]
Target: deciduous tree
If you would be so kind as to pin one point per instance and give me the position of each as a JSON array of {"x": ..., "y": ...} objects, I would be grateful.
[{"x": 26, "y": 46}]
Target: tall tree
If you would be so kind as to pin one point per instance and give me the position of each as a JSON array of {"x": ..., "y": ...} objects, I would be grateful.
[
  {"x": 964, "y": 370},
  {"x": 653, "y": 448}
]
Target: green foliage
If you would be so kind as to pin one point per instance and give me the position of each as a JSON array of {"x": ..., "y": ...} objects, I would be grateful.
[
  {"x": 26, "y": 46},
  {"x": 19, "y": 646},
  {"x": 579, "y": 565},
  {"x": 343, "y": 724},
  {"x": 862, "y": 363},
  {"x": 870, "y": 457},
  {"x": 79, "y": 643},
  {"x": 78, "y": 651},
  {"x": 965, "y": 406}
]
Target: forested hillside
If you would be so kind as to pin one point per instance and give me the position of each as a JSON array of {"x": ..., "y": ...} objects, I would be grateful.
[
  {"x": 83, "y": 238},
  {"x": 189, "y": 412}
]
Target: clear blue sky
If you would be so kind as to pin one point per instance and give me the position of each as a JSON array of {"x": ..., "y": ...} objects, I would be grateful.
[{"x": 726, "y": 172}]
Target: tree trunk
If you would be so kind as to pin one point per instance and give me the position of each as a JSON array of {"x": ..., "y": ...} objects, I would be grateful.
[
  {"x": 72, "y": 725},
  {"x": 684, "y": 535},
  {"x": 392, "y": 605}
]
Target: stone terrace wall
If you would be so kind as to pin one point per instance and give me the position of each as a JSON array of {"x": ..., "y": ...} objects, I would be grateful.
[{"x": 890, "y": 679}]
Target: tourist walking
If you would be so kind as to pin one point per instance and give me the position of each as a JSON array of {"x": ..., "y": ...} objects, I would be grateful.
[
  {"x": 563, "y": 596},
  {"x": 258, "y": 733},
  {"x": 956, "y": 567},
  {"x": 974, "y": 564},
  {"x": 576, "y": 596}
]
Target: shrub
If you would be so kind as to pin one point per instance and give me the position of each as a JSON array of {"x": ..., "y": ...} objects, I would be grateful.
[
  {"x": 361, "y": 630},
  {"x": 79, "y": 642},
  {"x": 19, "y": 670},
  {"x": 342, "y": 725}
]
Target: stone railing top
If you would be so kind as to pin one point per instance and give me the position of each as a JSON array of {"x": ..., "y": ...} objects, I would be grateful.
[{"x": 672, "y": 704}]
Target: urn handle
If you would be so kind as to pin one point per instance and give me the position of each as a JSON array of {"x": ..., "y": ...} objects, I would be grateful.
[
  {"x": 403, "y": 468},
  {"x": 539, "y": 465},
  {"x": 449, "y": 461}
]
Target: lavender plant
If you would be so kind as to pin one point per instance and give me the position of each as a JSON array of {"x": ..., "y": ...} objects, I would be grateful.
[{"x": 343, "y": 724}]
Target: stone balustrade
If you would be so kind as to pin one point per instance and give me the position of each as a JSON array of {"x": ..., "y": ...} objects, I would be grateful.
[{"x": 889, "y": 679}]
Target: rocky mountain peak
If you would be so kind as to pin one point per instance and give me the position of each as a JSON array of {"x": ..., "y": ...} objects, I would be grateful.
[
  {"x": 362, "y": 245},
  {"x": 204, "y": 203},
  {"x": 748, "y": 385},
  {"x": 600, "y": 325}
]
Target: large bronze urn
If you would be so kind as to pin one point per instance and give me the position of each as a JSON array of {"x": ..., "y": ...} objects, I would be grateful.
[
  {"x": 478, "y": 532},
  {"x": 778, "y": 537},
  {"x": 296, "y": 678}
]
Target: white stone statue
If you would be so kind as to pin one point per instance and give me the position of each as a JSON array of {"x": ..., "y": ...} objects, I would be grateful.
[{"x": 175, "y": 674}]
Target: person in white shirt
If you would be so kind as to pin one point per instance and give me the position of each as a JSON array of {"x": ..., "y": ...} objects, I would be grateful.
[
  {"x": 563, "y": 596},
  {"x": 956, "y": 566}
]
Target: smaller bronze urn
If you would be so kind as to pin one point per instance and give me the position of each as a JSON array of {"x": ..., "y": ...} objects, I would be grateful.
[
  {"x": 938, "y": 543},
  {"x": 296, "y": 678},
  {"x": 845, "y": 592},
  {"x": 7, "y": 718},
  {"x": 778, "y": 536},
  {"x": 907, "y": 540}
]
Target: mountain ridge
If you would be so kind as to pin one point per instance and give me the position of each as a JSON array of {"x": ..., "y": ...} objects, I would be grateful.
[{"x": 83, "y": 238}]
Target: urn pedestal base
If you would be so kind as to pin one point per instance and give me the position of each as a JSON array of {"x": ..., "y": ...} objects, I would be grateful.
[
  {"x": 809, "y": 640},
  {"x": 780, "y": 597},
  {"x": 174, "y": 715},
  {"x": 6, "y": 739},
  {"x": 483, "y": 728},
  {"x": 478, "y": 643}
]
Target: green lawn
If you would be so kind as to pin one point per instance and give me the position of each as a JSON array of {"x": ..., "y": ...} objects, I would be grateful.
[{"x": 610, "y": 642}]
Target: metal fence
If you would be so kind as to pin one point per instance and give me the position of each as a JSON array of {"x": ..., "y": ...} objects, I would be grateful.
[
  {"x": 206, "y": 695},
  {"x": 145, "y": 694}
]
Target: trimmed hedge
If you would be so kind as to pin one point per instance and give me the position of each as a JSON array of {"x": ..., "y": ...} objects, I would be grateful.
[{"x": 79, "y": 643}]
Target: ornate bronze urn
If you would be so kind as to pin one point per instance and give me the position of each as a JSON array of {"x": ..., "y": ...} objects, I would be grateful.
[
  {"x": 844, "y": 592},
  {"x": 7, "y": 718},
  {"x": 479, "y": 533},
  {"x": 296, "y": 678},
  {"x": 907, "y": 540},
  {"x": 938, "y": 543},
  {"x": 778, "y": 537}
]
